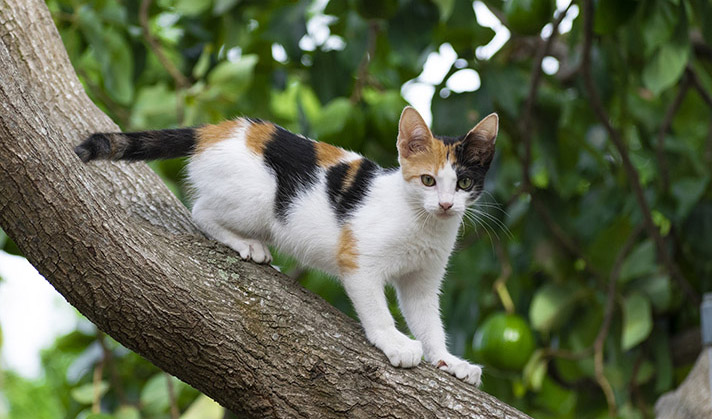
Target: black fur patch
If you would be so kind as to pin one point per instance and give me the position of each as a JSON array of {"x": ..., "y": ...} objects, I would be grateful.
[
  {"x": 467, "y": 166},
  {"x": 293, "y": 159},
  {"x": 345, "y": 199},
  {"x": 143, "y": 145},
  {"x": 162, "y": 144}
]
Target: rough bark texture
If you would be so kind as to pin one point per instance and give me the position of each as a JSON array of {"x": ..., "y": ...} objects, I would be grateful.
[
  {"x": 120, "y": 248},
  {"x": 693, "y": 398}
]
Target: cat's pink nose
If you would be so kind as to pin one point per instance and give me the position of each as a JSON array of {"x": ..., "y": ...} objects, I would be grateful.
[{"x": 445, "y": 205}]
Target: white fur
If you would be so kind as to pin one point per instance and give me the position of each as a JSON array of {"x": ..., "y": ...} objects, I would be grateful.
[{"x": 403, "y": 238}]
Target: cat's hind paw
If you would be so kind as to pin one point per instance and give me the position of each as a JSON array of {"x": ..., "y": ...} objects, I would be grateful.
[
  {"x": 469, "y": 373},
  {"x": 253, "y": 250}
]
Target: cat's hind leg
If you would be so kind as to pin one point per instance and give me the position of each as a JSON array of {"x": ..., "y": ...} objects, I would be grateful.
[{"x": 248, "y": 249}]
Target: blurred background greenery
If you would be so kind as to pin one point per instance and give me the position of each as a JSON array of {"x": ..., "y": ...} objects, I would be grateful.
[{"x": 583, "y": 309}]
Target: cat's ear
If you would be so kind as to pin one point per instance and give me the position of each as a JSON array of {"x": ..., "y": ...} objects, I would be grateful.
[
  {"x": 414, "y": 136},
  {"x": 480, "y": 140}
]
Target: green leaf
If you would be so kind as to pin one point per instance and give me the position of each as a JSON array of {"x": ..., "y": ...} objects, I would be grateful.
[
  {"x": 192, "y": 7},
  {"x": 84, "y": 394},
  {"x": 551, "y": 306},
  {"x": 230, "y": 79},
  {"x": 666, "y": 67},
  {"x": 640, "y": 262},
  {"x": 687, "y": 191},
  {"x": 155, "y": 107},
  {"x": 446, "y": 8},
  {"x": 333, "y": 118},
  {"x": 637, "y": 320},
  {"x": 658, "y": 289},
  {"x": 127, "y": 412},
  {"x": 154, "y": 394},
  {"x": 222, "y": 6},
  {"x": 113, "y": 54},
  {"x": 535, "y": 370},
  {"x": 204, "y": 408}
]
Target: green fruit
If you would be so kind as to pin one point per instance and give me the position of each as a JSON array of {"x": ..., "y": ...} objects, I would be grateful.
[
  {"x": 504, "y": 341},
  {"x": 527, "y": 17}
]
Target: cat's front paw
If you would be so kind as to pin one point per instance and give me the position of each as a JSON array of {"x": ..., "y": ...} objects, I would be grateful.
[
  {"x": 400, "y": 350},
  {"x": 469, "y": 373}
]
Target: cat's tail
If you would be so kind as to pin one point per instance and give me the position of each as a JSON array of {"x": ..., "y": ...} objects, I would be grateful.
[{"x": 144, "y": 145}]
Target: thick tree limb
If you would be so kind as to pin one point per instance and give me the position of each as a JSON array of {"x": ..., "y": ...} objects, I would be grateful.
[{"x": 121, "y": 249}]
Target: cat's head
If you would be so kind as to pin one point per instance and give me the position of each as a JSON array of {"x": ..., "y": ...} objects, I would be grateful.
[{"x": 444, "y": 174}]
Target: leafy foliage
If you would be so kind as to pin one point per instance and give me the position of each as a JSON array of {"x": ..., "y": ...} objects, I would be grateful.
[{"x": 561, "y": 230}]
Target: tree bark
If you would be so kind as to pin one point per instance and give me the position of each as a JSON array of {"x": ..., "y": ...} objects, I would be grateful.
[{"x": 122, "y": 249}]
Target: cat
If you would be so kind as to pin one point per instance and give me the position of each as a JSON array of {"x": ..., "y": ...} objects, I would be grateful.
[{"x": 256, "y": 183}]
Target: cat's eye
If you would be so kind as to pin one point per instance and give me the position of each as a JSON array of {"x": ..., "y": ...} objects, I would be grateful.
[
  {"x": 427, "y": 180},
  {"x": 464, "y": 183}
]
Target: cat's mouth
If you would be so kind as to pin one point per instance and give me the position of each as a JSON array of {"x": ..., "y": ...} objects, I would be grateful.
[{"x": 445, "y": 214}]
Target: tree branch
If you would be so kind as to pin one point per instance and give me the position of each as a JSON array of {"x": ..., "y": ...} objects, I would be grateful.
[
  {"x": 664, "y": 127},
  {"x": 121, "y": 248},
  {"x": 630, "y": 170}
]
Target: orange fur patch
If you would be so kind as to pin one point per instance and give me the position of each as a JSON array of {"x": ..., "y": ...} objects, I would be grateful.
[
  {"x": 428, "y": 161},
  {"x": 347, "y": 253},
  {"x": 327, "y": 155},
  {"x": 209, "y": 135},
  {"x": 351, "y": 174},
  {"x": 258, "y": 135}
]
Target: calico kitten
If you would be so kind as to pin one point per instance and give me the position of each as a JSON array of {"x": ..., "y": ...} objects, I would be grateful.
[{"x": 256, "y": 184}]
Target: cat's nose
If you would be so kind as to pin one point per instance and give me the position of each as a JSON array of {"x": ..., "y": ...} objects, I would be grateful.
[{"x": 445, "y": 205}]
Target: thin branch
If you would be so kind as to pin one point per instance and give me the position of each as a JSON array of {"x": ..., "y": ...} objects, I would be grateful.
[
  {"x": 96, "y": 399},
  {"x": 708, "y": 148},
  {"x": 697, "y": 84},
  {"x": 175, "y": 413},
  {"x": 537, "y": 71},
  {"x": 664, "y": 127},
  {"x": 362, "y": 72},
  {"x": 500, "y": 284},
  {"x": 630, "y": 170},
  {"x": 607, "y": 318},
  {"x": 114, "y": 377}
]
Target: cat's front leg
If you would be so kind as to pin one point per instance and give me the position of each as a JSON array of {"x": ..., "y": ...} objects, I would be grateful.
[
  {"x": 367, "y": 296},
  {"x": 418, "y": 296}
]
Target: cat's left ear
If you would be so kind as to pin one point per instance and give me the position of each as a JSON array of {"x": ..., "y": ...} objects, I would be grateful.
[
  {"x": 480, "y": 140},
  {"x": 414, "y": 136},
  {"x": 486, "y": 130}
]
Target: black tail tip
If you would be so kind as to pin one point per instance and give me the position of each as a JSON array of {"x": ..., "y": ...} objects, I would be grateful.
[{"x": 83, "y": 152}]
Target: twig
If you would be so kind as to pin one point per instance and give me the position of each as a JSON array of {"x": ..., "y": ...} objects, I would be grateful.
[
  {"x": 175, "y": 413},
  {"x": 114, "y": 377},
  {"x": 362, "y": 72},
  {"x": 708, "y": 149},
  {"x": 500, "y": 284},
  {"x": 180, "y": 80},
  {"x": 525, "y": 135},
  {"x": 695, "y": 81},
  {"x": 667, "y": 121},
  {"x": 96, "y": 400},
  {"x": 537, "y": 71},
  {"x": 630, "y": 170}
]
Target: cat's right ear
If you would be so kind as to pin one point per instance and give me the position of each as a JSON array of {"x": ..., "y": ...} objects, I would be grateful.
[{"x": 414, "y": 136}]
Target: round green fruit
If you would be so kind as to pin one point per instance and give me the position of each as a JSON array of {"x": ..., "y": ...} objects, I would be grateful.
[
  {"x": 527, "y": 17},
  {"x": 504, "y": 341}
]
